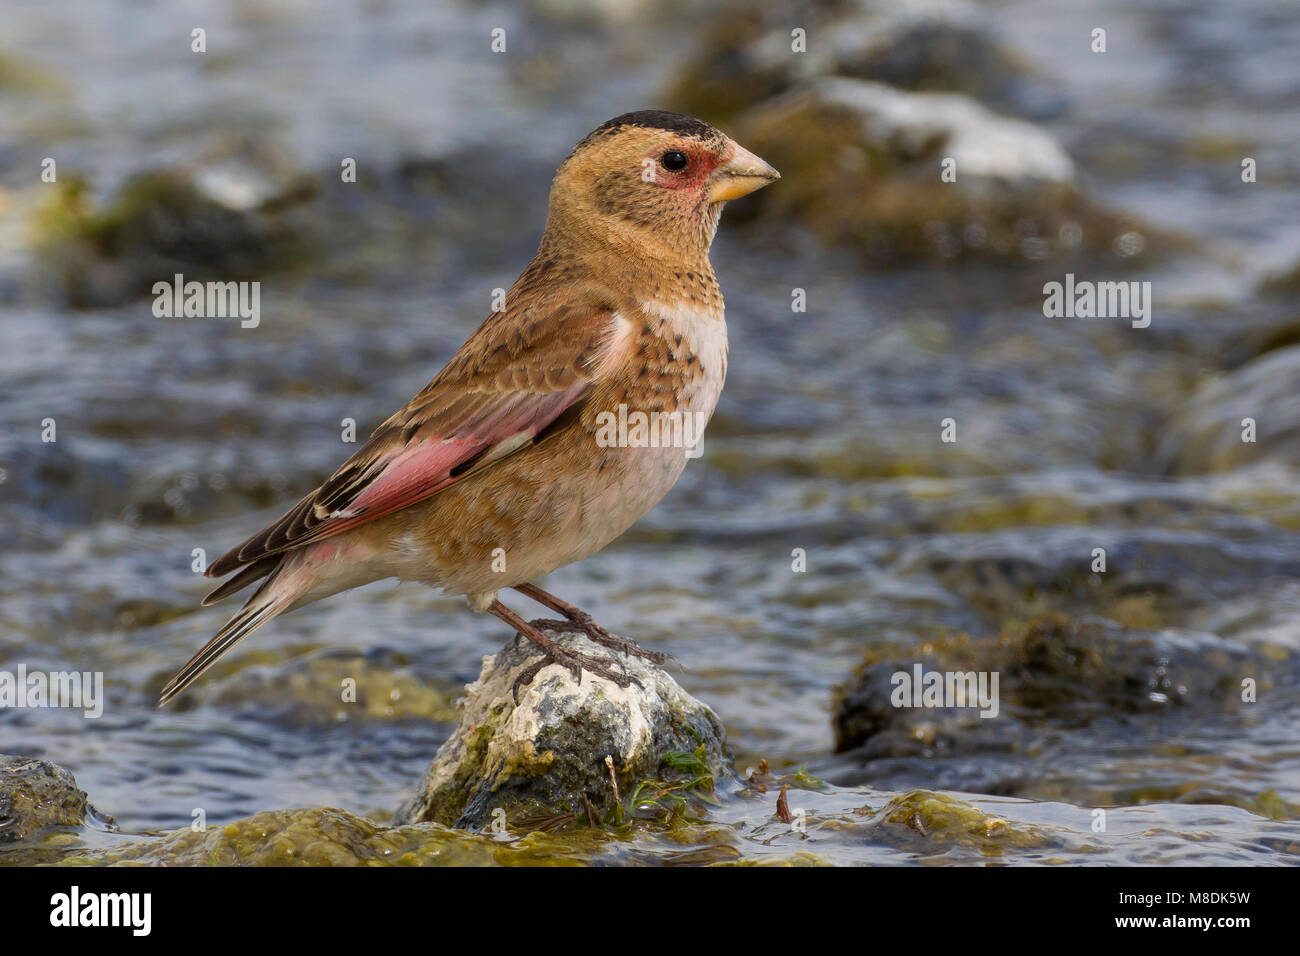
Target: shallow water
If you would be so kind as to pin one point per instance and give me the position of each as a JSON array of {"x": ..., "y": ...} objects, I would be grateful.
[{"x": 183, "y": 434}]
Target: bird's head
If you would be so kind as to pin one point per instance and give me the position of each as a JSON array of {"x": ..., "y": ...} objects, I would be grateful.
[{"x": 652, "y": 179}]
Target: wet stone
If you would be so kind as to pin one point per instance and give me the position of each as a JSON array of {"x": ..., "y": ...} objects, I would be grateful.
[
  {"x": 949, "y": 177},
  {"x": 552, "y": 752},
  {"x": 743, "y": 56},
  {"x": 1052, "y": 672},
  {"x": 35, "y": 794},
  {"x": 227, "y": 217},
  {"x": 1246, "y": 417},
  {"x": 317, "y": 836}
]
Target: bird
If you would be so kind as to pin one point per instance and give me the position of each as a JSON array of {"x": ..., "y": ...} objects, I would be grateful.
[{"x": 502, "y": 469}]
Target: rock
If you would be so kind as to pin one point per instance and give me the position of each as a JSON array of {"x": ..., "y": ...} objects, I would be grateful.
[
  {"x": 547, "y": 754},
  {"x": 322, "y": 836},
  {"x": 1281, "y": 282},
  {"x": 984, "y": 145},
  {"x": 306, "y": 837},
  {"x": 946, "y": 49},
  {"x": 746, "y": 55},
  {"x": 328, "y": 836},
  {"x": 1207, "y": 436},
  {"x": 1255, "y": 339},
  {"x": 944, "y": 820},
  {"x": 231, "y": 216},
  {"x": 1053, "y": 671},
  {"x": 862, "y": 163},
  {"x": 35, "y": 794},
  {"x": 739, "y": 61},
  {"x": 1154, "y": 576}
]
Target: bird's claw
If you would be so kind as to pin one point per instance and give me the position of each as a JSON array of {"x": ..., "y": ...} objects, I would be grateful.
[
  {"x": 584, "y": 623},
  {"x": 574, "y": 662}
]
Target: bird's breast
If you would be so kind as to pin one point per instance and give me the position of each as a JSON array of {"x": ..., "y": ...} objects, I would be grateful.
[
  {"x": 679, "y": 359},
  {"x": 646, "y": 420}
]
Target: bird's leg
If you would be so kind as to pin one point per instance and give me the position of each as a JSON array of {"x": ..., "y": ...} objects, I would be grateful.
[
  {"x": 555, "y": 653},
  {"x": 579, "y": 621}
]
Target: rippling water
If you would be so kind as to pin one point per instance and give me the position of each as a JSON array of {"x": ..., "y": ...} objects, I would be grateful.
[{"x": 183, "y": 434}]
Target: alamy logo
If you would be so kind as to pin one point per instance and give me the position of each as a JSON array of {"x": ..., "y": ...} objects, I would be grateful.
[
  {"x": 652, "y": 430},
  {"x": 209, "y": 300},
  {"x": 74, "y": 908},
  {"x": 1098, "y": 300},
  {"x": 36, "y": 689},
  {"x": 922, "y": 688}
]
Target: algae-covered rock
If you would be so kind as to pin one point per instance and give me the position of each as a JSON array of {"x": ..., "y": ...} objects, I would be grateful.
[
  {"x": 748, "y": 52},
  {"x": 1054, "y": 671},
  {"x": 230, "y": 217},
  {"x": 328, "y": 836},
  {"x": 1212, "y": 434},
  {"x": 307, "y": 837},
  {"x": 552, "y": 752},
  {"x": 863, "y": 164},
  {"x": 35, "y": 794},
  {"x": 944, "y": 819}
]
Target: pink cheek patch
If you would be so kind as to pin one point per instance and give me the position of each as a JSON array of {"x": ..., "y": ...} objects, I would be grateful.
[{"x": 691, "y": 186}]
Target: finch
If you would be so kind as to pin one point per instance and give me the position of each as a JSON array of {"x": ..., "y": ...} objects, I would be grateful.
[{"x": 502, "y": 469}]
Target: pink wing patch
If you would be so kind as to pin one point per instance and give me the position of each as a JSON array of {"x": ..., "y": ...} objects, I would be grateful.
[{"x": 425, "y": 464}]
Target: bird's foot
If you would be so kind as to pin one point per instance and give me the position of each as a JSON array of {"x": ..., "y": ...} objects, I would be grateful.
[
  {"x": 578, "y": 621},
  {"x": 583, "y": 623},
  {"x": 574, "y": 661}
]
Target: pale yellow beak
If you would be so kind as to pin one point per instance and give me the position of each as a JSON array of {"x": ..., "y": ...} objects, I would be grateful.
[{"x": 742, "y": 174}]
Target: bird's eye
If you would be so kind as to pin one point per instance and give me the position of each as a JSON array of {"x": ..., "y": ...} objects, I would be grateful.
[{"x": 674, "y": 161}]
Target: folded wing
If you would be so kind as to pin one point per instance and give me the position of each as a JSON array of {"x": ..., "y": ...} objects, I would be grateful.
[{"x": 514, "y": 377}]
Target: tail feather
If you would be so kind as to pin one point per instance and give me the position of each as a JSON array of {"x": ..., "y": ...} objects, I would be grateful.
[
  {"x": 247, "y": 576},
  {"x": 270, "y": 599},
  {"x": 295, "y": 578}
]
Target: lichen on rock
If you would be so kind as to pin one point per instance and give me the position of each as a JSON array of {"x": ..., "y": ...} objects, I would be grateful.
[{"x": 548, "y": 752}]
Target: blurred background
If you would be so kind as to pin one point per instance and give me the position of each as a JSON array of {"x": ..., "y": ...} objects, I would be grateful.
[{"x": 1121, "y": 689}]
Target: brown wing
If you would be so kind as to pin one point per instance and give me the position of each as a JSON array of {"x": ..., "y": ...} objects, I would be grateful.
[{"x": 515, "y": 375}]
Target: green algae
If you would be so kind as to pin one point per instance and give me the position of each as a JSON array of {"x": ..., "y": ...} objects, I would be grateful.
[{"x": 943, "y": 819}]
